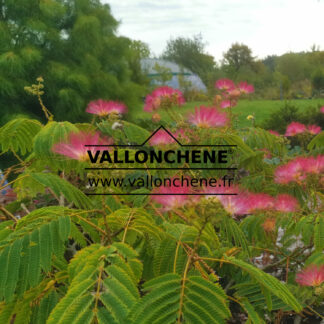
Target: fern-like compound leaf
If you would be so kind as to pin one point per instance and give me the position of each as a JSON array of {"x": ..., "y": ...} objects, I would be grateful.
[
  {"x": 268, "y": 282},
  {"x": 17, "y": 135},
  {"x": 29, "y": 249},
  {"x": 202, "y": 302}
]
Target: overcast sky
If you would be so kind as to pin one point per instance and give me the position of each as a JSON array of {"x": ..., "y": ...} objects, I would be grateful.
[{"x": 266, "y": 26}]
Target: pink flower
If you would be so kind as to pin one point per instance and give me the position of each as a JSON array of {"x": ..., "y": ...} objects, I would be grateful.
[
  {"x": 314, "y": 129},
  {"x": 314, "y": 165},
  {"x": 224, "y": 84},
  {"x": 295, "y": 128},
  {"x": 176, "y": 196},
  {"x": 234, "y": 204},
  {"x": 260, "y": 201},
  {"x": 286, "y": 203},
  {"x": 244, "y": 87},
  {"x": 273, "y": 132},
  {"x": 103, "y": 108},
  {"x": 162, "y": 137},
  {"x": 311, "y": 276},
  {"x": 206, "y": 117},
  {"x": 232, "y": 93},
  {"x": 322, "y": 109},
  {"x": 75, "y": 148},
  {"x": 293, "y": 171},
  {"x": 163, "y": 97},
  {"x": 228, "y": 103},
  {"x": 299, "y": 168}
]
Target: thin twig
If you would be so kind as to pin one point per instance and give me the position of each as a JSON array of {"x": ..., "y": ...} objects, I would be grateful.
[{"x": 7, "y": 212}]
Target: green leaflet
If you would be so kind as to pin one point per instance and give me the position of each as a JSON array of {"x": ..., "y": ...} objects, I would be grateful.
[
  {"x": 319, "y": 233},
  {"x": 258, "y": 138},
  {"x": 6, "y": 312},
  {"x": 51, "y": 133},
  {"x": 268, "y": 282},
  {"x": 203, "y": 301},
  {"x": 234, "y": 232},
  {"x": 107, "y": 269},
  {"x": 253, "y": 315},
  {"x": 17, "y": 135},
  {"x": 13, "y": 271},
  {"x": 167, "y": 256},
  {"x": 46, "y": 305},
  {"x": 137, "y": 220},
  {"x": 29, "y": 249},
  {"x": 317, "y": 141},
  {"x": 186, "y": 233},
  {"x": 61, "y": 186},
  {"x": 254, "y": 294}
]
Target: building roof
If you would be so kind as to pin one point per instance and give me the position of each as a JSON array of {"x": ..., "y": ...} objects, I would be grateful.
[{"x": 148, "y": 66}]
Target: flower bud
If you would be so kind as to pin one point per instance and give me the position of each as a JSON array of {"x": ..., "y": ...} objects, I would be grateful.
[{"x": 156, "y": 118}]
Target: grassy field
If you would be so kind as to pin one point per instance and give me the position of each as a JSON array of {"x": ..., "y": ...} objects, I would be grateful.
[{"x": 260, "y": 108}]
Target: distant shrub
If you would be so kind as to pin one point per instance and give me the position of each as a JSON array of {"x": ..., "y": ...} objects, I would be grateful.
[
  {"x": 195, "y": 95},
  {"x": 279, "y": 119},
  {"x": 270, "y": 93},
  {"x": 312, "y": 116}
]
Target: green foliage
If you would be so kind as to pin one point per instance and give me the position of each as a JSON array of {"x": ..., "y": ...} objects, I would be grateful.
[
  {"x": 319, "y": 234},
  {"x": 17, "y": 135},
  {"x": 61, "y": 186},
  {"x": 317, "y": 141},
  {"x": 112, "y": 273},
  {"x": 74, "y": 46},
  {"x": 29, "y": 249},
  {"x": 168, "y": 298},
  {"x": 69, "y": 258},
  {"x": 234, "y": 232},
  {"x": 163, "y": 74},
  {"x": 190, "y": 53},
  {"x": 268, "y": 282},
  {"x": 279, "y": 120},
  {"x": 237, "y": 57},
  {"x": 288, "y": 113}
]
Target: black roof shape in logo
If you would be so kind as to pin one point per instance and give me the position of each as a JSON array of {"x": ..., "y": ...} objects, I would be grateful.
[{"x": 171, "y": 135}]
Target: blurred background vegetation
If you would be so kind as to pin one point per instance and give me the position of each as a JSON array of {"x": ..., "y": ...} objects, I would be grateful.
[{"x": 74, "y": 46}]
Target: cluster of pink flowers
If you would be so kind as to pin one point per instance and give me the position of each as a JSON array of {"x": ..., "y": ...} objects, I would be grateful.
[
  {"x": 322, "y": 109},
  {"x": 299, "y": 168},
  {"x": 231, "y": 91},
  {"x": 274, "y": 132},
  {"x": 74, "y": 146},
  {"x": 163, "y": 97},
  {"x": 296, "y": 128},
  {"x": 104, "y": 108},
  {"x": 243, "y": 203},
  {"x": 207, "y": 117},
  {"x": 311, "y": 276},
  {"x": 178, "y": 199},
  {"x": 164, "y": 138},
  {"x": 248, "y": 203}
]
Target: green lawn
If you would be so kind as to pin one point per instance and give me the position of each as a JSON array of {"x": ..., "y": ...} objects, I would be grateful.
[{"x": 260, "y": 108}]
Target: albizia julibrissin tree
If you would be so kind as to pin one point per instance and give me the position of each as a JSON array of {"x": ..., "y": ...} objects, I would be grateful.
[
  {"x": 73, "y": 45},
  {"x": 74, "y": 251}
]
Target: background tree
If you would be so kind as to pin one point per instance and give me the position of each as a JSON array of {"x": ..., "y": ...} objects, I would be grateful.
[
  {"x": 237, "y": 57},
  {"x": 138, "y": 50},
  {"x": 295, "y": 66},
  {"x": 163, "y": 74},
  {"x": 318, "y": 80},
  {"x": 190, "y": 53},
  {"x": 73, "y": 45}
]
